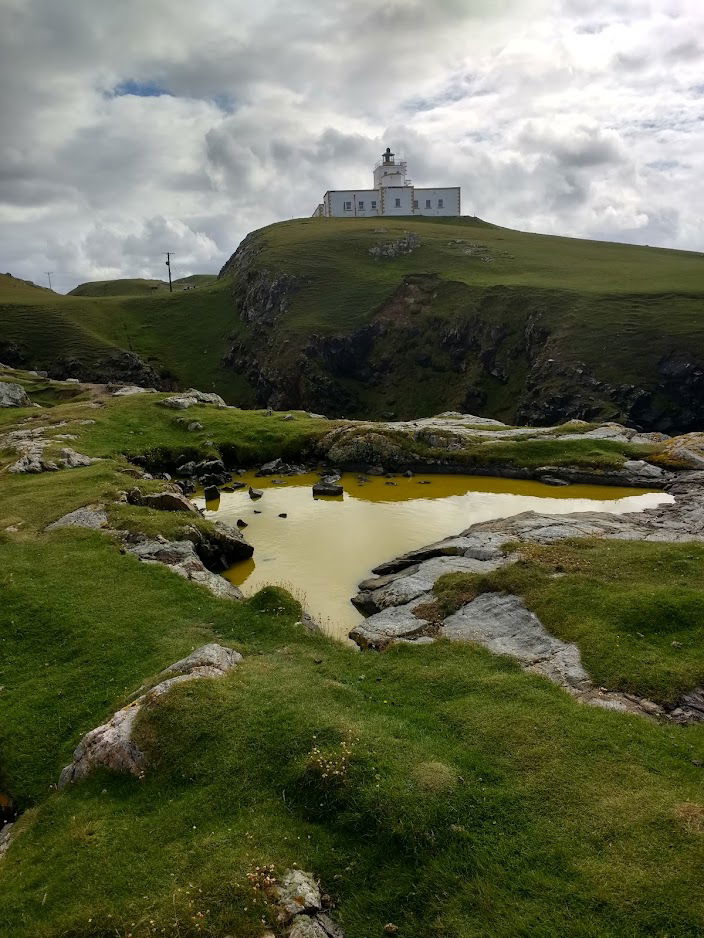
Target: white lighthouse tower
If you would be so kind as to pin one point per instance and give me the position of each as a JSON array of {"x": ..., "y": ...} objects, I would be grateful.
[
  {"x": 393, "y": 194},
  {"x": 388, "y": 172}
]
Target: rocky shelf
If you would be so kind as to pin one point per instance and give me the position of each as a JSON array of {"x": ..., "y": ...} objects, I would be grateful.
[{"x": 399, "y": 599}]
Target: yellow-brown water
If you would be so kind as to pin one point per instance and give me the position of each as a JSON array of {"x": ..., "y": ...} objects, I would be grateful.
[{"x": 325, "y": 546}]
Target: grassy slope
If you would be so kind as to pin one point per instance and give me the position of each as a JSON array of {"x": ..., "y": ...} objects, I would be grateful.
[
  {"x": 137, "y": 286},
  {"x": 620, "y": 308},
  {"x": 184, "y": 333},
  {"x": 478, "y": 800}
]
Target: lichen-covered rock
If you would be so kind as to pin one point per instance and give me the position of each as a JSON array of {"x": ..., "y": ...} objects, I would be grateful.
[
  {"x": 180, "y": 402},
  {"x": 391, "y": 624},
  {"x": 111, "y": 745},
  {"x": 295, "y": 893},
  {"x": 70, "y": 459},
  {"x": 362, "y": 446},
  {"x": 205, "y": 397},
  {"x": 13, "y": 395}
]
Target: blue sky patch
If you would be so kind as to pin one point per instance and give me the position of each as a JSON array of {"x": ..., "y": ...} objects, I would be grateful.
[{"x": 141, "y": 89}]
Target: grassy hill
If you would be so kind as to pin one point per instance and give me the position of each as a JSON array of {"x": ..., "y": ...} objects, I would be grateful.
[
  {"x": 138, "y": 286},
  {"x": 312, "y": 313}
]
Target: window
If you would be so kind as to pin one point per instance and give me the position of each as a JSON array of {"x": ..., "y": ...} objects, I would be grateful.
[
  {"x": 348, "y": 206},
  {"x": 373, "y": 204},
  {"x": 398, "y": 203},
  {"x": 427, "y": 203},
  {"x": 441, "y": 204},
  {"x": 360, "y": 205},
  {"x": 415, "y": 203}
]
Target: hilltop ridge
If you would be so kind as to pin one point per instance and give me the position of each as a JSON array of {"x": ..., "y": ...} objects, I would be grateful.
[{"x": 397, "y": 318}]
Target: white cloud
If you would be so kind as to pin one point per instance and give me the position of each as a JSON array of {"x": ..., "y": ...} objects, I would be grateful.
[{"x": 554, "y": 115}]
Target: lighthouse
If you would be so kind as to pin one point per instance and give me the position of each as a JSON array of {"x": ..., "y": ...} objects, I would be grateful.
[{"x": 392, "y": 194}]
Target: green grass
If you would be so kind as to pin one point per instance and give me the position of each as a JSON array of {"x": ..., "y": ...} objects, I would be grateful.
[
  {"x": 634, "y": 608},
  {"x": 477, "y": 799}
]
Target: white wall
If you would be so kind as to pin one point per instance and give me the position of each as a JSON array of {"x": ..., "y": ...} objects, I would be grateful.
[
  {"x": 392, "y": 194},
  {"x": 359, "y": 201},
  {"x": 450, "y": 201}
]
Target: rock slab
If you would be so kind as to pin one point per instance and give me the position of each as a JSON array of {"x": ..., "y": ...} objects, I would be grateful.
[{"x": 111, "y": 745}]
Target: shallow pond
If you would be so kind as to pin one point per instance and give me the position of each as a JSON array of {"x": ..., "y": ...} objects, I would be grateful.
[{"x": 324, "y": 546}]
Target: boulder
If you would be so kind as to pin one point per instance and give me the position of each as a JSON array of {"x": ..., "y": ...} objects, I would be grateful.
[
  {"x": 327, "y": 488},
  {"x": 271, "y": 468},
  {"x": 90, "y": 516},
  {"x": 211, "y": 493},
  {"x": 70, "y": 459},
  {"x": 111, "y": 745},
  {"x": 204, "y": 397},
  {"x": 408, "y": 584},
  {"x": 178, "y": 403},
  {"x": 389, "y": 625},
  {"x": 163, "y": 501},
  {"x": 254, "y": 494},
  {"x": 181, "y": 557},
  {"x": 296, "y": 893},
  {"x": 13, "y": 395}
]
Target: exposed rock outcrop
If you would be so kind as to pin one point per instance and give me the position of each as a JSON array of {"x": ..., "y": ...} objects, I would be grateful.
[
  {"x": 90, "y": 516},
  {"x": 182, "y": 558},
  {"x": 13, "y": 395},
  {"x": 112, "y": 746},
  {"x": 401, "y": 600},
  {"x": 299, "y": 907}
]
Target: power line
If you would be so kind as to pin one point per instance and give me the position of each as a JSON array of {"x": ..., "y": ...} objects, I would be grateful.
[{"x": 168, "y": 264}]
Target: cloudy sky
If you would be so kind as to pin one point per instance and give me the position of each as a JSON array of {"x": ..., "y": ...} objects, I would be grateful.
[{"x": 132, "y": 127}]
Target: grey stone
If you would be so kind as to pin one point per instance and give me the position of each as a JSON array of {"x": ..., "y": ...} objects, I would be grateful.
[
  {"x": 90, "y": 516},
  {"x": 205, "y": 397},
  {"x": 13, "y": 395},
  {"x": 163, "y": 501},
  {"x": 502, "y": 623},
  {"x": 404, "y": 589},
  {"x": 182, "y": 559},
  {"x": 70, "y": 459},
  {"x": 111, "y": 745},
  {"x": 127, "y": 390},
  {"x": 297, "y": 893},
  {"x": 381, "y": 629},
  {"x": 327, "y": 488}
]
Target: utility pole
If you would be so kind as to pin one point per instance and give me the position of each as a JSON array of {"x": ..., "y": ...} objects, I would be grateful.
[
  {"x": 168, "y": 264},
  {"x": 49, "y": 273}
]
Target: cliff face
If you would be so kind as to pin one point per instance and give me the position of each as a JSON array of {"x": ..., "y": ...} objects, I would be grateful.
[{"x": 433, "y": 343}]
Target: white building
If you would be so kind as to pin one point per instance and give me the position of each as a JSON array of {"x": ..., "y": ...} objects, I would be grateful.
[{"x": 393, "y": 194}]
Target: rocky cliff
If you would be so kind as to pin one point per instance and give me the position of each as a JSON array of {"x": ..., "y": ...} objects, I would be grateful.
[{"x": 423, "y": 341}]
